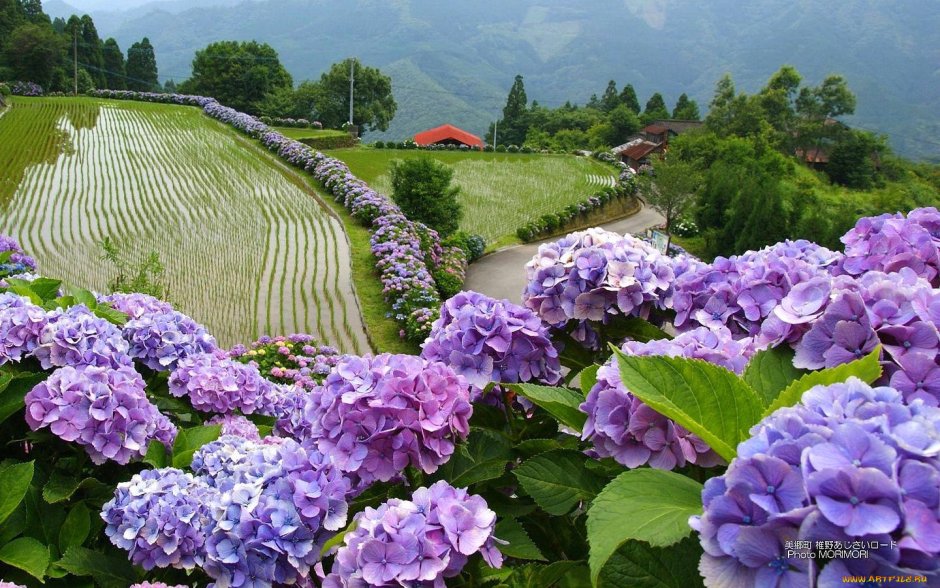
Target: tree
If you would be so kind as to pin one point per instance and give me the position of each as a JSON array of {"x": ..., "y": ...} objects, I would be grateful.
[
  {"x": 830, "y": 99},
  {"x": 610, "y": 100},
  {"x": 115, "y": 68},
  {"x": 621, "y": 123},
  {"x": 513, "y": 126},
  {"x": 671, "y": 188},
  {"x": 422, "y": 188},
  {"x": 629, "y": 99},
  {"x": 685, "y": 109},
  {"x": 33, "y": 53},
  {"x": 239, "y": 74},
  {"x": 90, "y": 52},
  {"x": 852, "y": 160},
  {"x": 142, "y": 67},
  {"x": 169, "y": 87},
  {"x": 777, "y": 99},
  {"x": 374, "y": 105},
  {"x": 655, "y": 109}
]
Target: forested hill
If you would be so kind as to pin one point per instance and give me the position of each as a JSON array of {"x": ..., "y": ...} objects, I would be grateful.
[{"x": 455, "y": 61}]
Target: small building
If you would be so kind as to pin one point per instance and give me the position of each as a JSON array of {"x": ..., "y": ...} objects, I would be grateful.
[
  {"x": 653, "y": 138},
  {"x": 448, "y": 135},
  {"x": 814, "y": 157},
  {"x": 637, "y": 152}
]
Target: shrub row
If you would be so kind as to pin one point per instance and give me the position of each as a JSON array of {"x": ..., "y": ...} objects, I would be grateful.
[
  {"x": 294, "y": 123},
  {"x": 552, "y": 223}
]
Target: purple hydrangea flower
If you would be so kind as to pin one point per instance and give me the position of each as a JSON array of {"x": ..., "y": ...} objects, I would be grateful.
[
  {"x": 147, "y": 584},
  {"x": 849, "y": 463},
  {"x": 487, "y": 340},
  {"x": 75, "y": 336},
  {"x": 19, "y": 262},
  {"x": 104, "y": 409},
  {"x": 215, "y": 383},
  {"x": 593, "y": 275},
  {"x": 417, "y": 542},
  {"x": 21, "y": 323},
  {"x": 136, "y": 305},
  {"x": 888, "y": 243},
  {"x": 377, "y": 415},
  {"x": 294, "y": 359},
  {"x": 237, "y": 425},
  {"x": 621, "y": 426},
  {"x": 160, "y": 517}
]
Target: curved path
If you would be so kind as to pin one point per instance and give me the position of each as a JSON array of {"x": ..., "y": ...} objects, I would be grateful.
[{"x": 502, "y": 274}]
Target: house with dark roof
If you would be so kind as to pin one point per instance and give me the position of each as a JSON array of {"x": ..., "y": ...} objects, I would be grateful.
[
  {"x": 448, "y": 135},
  {"x": 653, "y": 138}
]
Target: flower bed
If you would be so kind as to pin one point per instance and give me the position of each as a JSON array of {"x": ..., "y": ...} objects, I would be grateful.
[{"x": 293, "y": 123}]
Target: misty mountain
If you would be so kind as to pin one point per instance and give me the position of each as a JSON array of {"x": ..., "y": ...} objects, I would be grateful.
[{"x": 455, "y": 61}]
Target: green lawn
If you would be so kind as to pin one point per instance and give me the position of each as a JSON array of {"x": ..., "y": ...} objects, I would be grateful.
[
  {"x": 298, "y": 134},
  {"x": 499, "y": 191},
  {"x": 249, "y": 248}
]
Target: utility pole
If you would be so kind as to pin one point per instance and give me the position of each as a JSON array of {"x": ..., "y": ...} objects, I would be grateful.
[
  {"x": 75, "y": 60},
  {"x": 495, "y": 125},
  {"x": 352, "y": 83}
]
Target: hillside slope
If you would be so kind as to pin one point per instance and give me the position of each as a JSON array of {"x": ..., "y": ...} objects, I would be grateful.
[
  {"x": 888, "y": 49},
  {"x": 247, "y": 247}
]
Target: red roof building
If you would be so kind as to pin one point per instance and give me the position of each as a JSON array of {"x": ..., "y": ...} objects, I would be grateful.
[{"x": 448, "y": 135}]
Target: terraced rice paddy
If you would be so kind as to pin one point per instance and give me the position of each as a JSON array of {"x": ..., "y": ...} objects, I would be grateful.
[
  {"x": 248, "y": 248},
  {"x": 499, "y": 191}
]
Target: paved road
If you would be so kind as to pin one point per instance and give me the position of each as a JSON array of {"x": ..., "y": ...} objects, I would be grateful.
[{"x": 502, "y": 274}]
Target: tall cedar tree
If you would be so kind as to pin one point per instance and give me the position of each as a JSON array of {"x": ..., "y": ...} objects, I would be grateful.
[
  {"x": 655, "y": 109},
  {"x": 421, "y": 187},
  {"x": 629, "y": 99},
  {"x": 142, "y": 67},
  {"x": 513, "y": 127},
  {"x": 610, "y": 99},
  {"x": 374, "y": 105},
  {"x": 115, "y": 68},
  {"x": 685, "y": 109}
]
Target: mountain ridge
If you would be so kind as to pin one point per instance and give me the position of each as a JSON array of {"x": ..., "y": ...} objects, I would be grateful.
[{"x": 568, "y": 51}]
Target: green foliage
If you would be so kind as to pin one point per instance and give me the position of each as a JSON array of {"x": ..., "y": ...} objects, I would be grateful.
[
  {"x": 141, "y": 67},
  {"x": 561, "y": 403},
  {"x": 146, "y": 276},
  {"x": 867, "y": 369},
  {"x": 628, "y": 98},
  {"x": 15, "y": 480},
  {"x": 671, "y": 188},
  {"x": 33, "y": 53},
  {"x": 188, "y": 441},
  {"x": 239, "y": 74},
  {"x": 558, "y": 480},
  {"x": 374, "y": 105},
  {"x": 647, "y": 505},
  {"x": 770, "y": 371},
  {"x": 422, "y": 188},
  {"x": 708, "y": 400},
  {"x": 27, "y": 554},
  {"x": 852, "y": 160},
  {"x": 685, "y": 109},
  {"x": 639, "y": 565},
  {"x": 514, "y": 124},
  {"x": 655, "y": 109},
  {"x": 114, "y": 65}
]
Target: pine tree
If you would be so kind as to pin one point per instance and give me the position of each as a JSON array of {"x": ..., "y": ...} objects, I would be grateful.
[
  {"x": 141, "y": 67},
  {"x": 655, "y": 109},
  {"x": 629, "y": 99}
]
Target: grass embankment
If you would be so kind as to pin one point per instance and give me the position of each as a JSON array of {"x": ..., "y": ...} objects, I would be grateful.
[
  {"x": 499, "y": 191},
  {"x": 298, "y": 134},
  {"x": 248, "y": 248}
]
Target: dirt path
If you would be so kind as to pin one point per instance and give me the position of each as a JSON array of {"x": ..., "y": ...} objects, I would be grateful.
[{"x": 502, "y": 274}]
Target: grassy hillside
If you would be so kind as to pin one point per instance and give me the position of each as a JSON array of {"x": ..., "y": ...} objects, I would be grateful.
[
  {"x": 295, "y": 133},
  {"x": 247, "y": 246},
  {"x": 499, "y": 191}
]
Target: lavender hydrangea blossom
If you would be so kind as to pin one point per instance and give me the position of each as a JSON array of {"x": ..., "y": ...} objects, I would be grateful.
[
  {"x": 104, "y": 409},
  {"x": 849, "y": 463},
  {"x": 594, "y": 275},
  {"x": 374, "y": 416},
  {"x": 75, "y": 336},
  {"x": 293, "y": 359},
  {"x": 417, "y": 542},
  {"x": 147, "y": 584},
  {"x": 251, "y": 514},
  {"x": 21, "y": 324},
  {"x": 890, "y": 242},
  {"x": 742, "y": 292},
  {"x": 215, "y": 383},
  {"x": 487, "y": 340},
  {"x": 621, "y": 426},
  {"x": 18, "y": 262},
  {"x": 160, "y": 517},
  {"x": 237, "y": 425},
  {"x": 277, "y": 503}
]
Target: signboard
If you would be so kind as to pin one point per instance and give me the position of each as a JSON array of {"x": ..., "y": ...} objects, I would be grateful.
[{"x": 660, "y": 241}]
